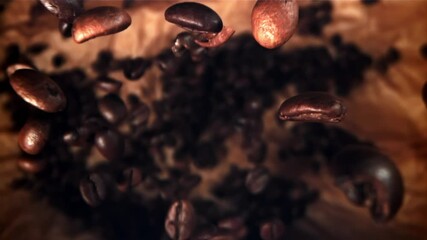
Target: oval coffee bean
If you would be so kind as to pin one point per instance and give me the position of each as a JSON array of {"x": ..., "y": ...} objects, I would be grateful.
[
  {"x": 139, "y": 115},
  {"x": 30, "y": 165},
  {"x": 110, "y": 144},
  {"x": 65, "y": 28},
  {"x": 274, "y": 21},
  {"x": 382, "y": 185},
  {"x": 219, "y": 39},
  {"x": 312, "y": 107},
  {"x": 272, "y": 230},
  {"x": 257, "y": 179},
  {"x": 134, "y": 69},
  {"x": 130, "y": 178},
  {"x": 65, "y": 10},
  {"x": 93, "y": 189},
  {"x": 194, "y": 16},
  {"x": 108, "y": 84},
  {"x": 180, "y": 220},
  {"x": 38, "y": 90},
  {"x": 112, "y": 108},
  {"x": 98, "y": 22},
  {"x": 34, "y": 135}
]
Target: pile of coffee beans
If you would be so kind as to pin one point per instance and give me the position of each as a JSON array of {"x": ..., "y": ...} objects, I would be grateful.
[{"x": 210, "y": 94}]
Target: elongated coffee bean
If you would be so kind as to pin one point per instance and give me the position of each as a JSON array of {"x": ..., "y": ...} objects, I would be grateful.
[
  {"x": 274, "y": 21},
  {"x": 34, "y": 135},
  {"x": 312, "y": 107},
  {"x": 65, "y": 10},
  {"x": 112, "y": 108},
  {"x": 31, "y": 165},
  {"x": 38, "y": 90},
  {"x": 98, "y": 22},
  {"x": 180, "y": 220},
  {"x": 108, "y": 84},
  {"x": 93, "y": 189},
  {"x": 369, "y": 178},
  {"x": 110, "y": 144},
  {"x": 257, "y": 179},
  {"x": 195, "y": 17}
]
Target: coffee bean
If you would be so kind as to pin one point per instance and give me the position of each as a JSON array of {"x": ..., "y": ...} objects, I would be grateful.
[
  {"x": 129, "y": 178},
  {"x": 65, "y": 28},
  {"x": 31, "y": 165},
  {"x": 110, "y": 144},
  {"x": 235, "y": 226},
  {"x": 257, "y": 180},
  {"x": 112, "y": 108},
  {"x": 194, "y": 17},
  {"x": 216, "y": 41},
  {"x": 37, "y": 48},
  {"x": 38, "y": 90},
  {"x": 312, "y": 107},
  {"x": 65, "y": 10},
  {"x": 272, "y": 230},
  {"x": 423, "y": 50},
  {"x": 139, "y": 115},
  {"x": 93, "y": 189},
  {"x": 34, "y": 135},
  {"x": 108, "y": 84},
  {"x": 274, "y": 21},
  {"x": 71, "y": 137},
  {"x": 183, "y": 41},
  {"x": 180, "y": 220},
  {"x": 103, "y": 62},
  {"x": 11, "y": 69},
  {"x": 135, "y": 68},
  {"x": 58, "y": 60},
  {"x": 383, "y": 181},
  {"x": 98, "y": 22}
]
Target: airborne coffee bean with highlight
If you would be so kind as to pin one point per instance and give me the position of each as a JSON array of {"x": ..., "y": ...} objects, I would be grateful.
[{"x": 34, "y": 135}]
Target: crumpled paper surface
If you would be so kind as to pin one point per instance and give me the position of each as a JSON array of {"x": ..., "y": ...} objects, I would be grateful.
[{"x": 386, "y": 109}]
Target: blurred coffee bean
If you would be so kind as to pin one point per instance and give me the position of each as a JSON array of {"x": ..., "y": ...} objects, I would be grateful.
[
  {"x": 65, "y": 28},
  {"x": 424, "y": 94},
  {"x": 369, "y": 2},
  {"x": 312, "y": 107},
  {"x": 93, "y": 189},
  {"x": 194, "y": 16},
  {"x": 112, "y": 108},
  {"x": 134, "y": 69},
  {"x": 129, "y": 178},
  {"x": 34, "y": 135},
  {"x": 272, "y": 230},
  {"x": 58, "y": 60},
  {"x": 108, "y": 84},
  {"x": 257, "y": 180},
  {"x": 314, "y": 17},
  {"x": 274, "y": 21},
  {"x": 31, "y": 165},
  {"x": 71, "y": 137},
  {"x": 37, "y": 48},
  {"x": 183, "y": 41},
  {"x": 65, "y": 10},
  {"x": 423, "y": 50},
  {"x": 139, "y": 115},
  {"x": 110, "y": 144},
  {"x": 11, "y": 69},
  {"x": 218, "y": 40},
  {"x": 38, "y": 90},
  {"x": 390, "y": 57},
  {"x": 180, "y": 220},
  {"x": 383, "y": 181},
  {"x": 235, "y": 226},
  {"x": 99, "y": 22}
]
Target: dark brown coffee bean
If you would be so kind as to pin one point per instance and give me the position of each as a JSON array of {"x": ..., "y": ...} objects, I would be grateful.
[
  {"x": 98, "y": 22},
  {"x": 139, "y": 115},
  {"x": 58, "y": 60},
  {"x": 383, "y": 189},
  {"x": 257, "y": 180},
  {"x": 112, "y": 108},
  {"x": 274, "y": 22},
  {"x": 34, "y": 135},
  {"x": 65, "y": 29},
  {"x": 134, "y": 69},
  {"x": 93, "y": 189},
  {"x": 71, "y": 137},
  {"x": 31, "y": 165},
  {"x": 235, "y": 226},
  {"x": 108, "y": 84},
  {"x": 272, "y": 230},
  {"x": 130, "y": 178},
  {"x": 65, "y": 10},
  {"x": 38, "y": 90},
  {"x": 37, "y": 48},
  {"x": 180, "y": 220},
  {"x": 183, "y": 41},
  {"x": 221, "y": 38},
  {"x": 312, "y": 107},
  {"x": 423, "y": 50},
  {"x": 110, "y": 144},
  {"x": 194, "y": 16}
]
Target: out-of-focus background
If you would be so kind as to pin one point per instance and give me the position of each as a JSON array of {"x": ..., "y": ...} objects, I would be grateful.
[{"x": 387, "y": 109}]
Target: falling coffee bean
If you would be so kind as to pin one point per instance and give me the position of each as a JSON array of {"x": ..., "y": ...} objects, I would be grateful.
[
  {"x": 272, "y": 230},
  {"x": 274, "y": 21},
  {"x": 112, "y": 108},
  {"x": 38, "y": 90},
  {"x": 110, "y": 144},
  {"x": 65, "y": 28},
  {"x": 34, "y": 135},
  {"x": 98, "y": 22},
  {"x": 93, "y": 189},
  {"x": 139, "y": 115},
  {"x": 134, "y": 69},
  {"x": 180, "y": 220},
  {"x": 108, "y": 84},
  {"x": 257, "y": 180},
  {"x": 31, "y": 165},
  {"x": 194, "y": 17},
  {"x": 65, "y": 10},
  {"x": 312, "y": 107}
]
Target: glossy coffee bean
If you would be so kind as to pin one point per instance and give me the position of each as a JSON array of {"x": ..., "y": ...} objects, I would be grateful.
[
  {"x": 98, "y": 22},
  {"x": 272, "y": 230},
  {"x": 65, "y": 28},
  {"x": 112, "y": 108},
  {"x": 312, "y": 107},
  {"x": 34, "y": 135},
  {"x": 110, "y": 144},
  {"x": 180, "y": 220},
  {"x": 194, "y": 17},
  {"x": 134, "y": 69},
  {"x": 93, "y": 189},
  {"x": 65, "y": 10},
  {"x": 257, "y": 180},
  {"x": 108, "y": 84},
  {"x": 274, "y": 22},
  {"x": 38, "y": 90},
  {"x": 382, "y": 185},
  {"x": 31, "y": 165}
]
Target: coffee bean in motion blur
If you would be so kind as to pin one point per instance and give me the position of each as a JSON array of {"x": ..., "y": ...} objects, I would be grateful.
[
  {"x": 135, "y": 68},
  {"x": 312, "y": 107},
  {"x": 382, "y": 190},
  {"x": 274, "y": 22},
  {"x": 112, "y": 108},
  {"x": 34, "y": 135},
  {"x": 38, "y": 90},
  {"x": 31, "y": 165},
  {"x": 110, "y": 144},
  {"x": 257, "y": 179},
  {"x": 180, "y": 220},
  {"x": 65, "y": 10},
  {"x": 272, "y": 230},
  {"x": 98, "y": 22},
  {"x": 108, "y": 84},
  {"x": 65, "y": 28},
  {"x": 194, "y": 17},
  {"x": 93, "y": 189}
]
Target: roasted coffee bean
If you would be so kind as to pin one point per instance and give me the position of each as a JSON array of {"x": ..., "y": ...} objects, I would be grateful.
[
  {"x": 424, "y": 94},
  {"x": 71, "y": 137},
  {"x": 58, "y": 60},
  {"x": 195, "y": 17},
  {"x": 34, "y": 135},
  {"x": 108, "y": 84},
  {"x": 221, "y": 38},
  {"x": 129, "y": 178},
  {"x": 98, "y": 22},
  {"x": 93, "y": 189},
  {"x": 423, "y": 50},
  {"x": 274, "y": 21},
  {"x": 103, "y": 62},
  {"x": 65, "y": 28},
  {"x": 383, "y": 182},
  {"x": 135, "y": 68},
  {"x": 110, "y": 144},
  {"x": 37, "y": 48},
  {"x": 38, "y": 90},
  {"x": 112, "y": 108},
  {"x": 312, "y": 107},
  {"x": 180, "y": 220},
  {"x": 257, "y": 179},
  {"x": 272, "y": 230},
  {"x": 31, "y": 165},
  {"x": 65, "y": 10},
  {"x": 235, "y": 226},
  {"x": 11, "y": 69},
  {"x": 139, "y": 115}
]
